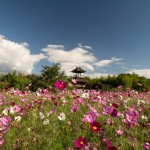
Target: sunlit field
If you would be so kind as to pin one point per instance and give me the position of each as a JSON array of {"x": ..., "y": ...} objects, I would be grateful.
[{"x": 74, "y": 119}]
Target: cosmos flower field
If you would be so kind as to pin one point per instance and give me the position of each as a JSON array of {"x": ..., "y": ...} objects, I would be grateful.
[{"x": 74, "y": 119}]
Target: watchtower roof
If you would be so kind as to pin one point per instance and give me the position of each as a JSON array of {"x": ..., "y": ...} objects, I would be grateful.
[{"x": 78, "y": 70}]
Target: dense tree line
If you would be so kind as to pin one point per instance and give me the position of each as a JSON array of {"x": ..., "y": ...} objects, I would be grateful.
[
  {"x": 46, "y": 79},
  {"x": 127, "y": 80},
  {"x": 50, "y": 74}
]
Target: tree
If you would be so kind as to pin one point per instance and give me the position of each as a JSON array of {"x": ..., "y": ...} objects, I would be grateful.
[{"x": 50, "y": 74}]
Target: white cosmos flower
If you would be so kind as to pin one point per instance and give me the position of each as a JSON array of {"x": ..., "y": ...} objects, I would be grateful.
[
  {"x": 62, "y": 116},
  {"x": 11, "y": 110},
  {"x": 5, "y": 111},
  {"x": 144, "y": 118},
  {"x": 120, "y": 96},
  {"x": 17, "y": 118},
  {"x": 41, "y": 115},
  {"x": 29, "y": 129},
  {"x": 122, "y": 115},
  {"x": 46, "y": 122},
  {"x": 85, "y": 95},
  {"x": 38, "y": 94},
  {"x": 128, "y": 99},
  {"x": 1, "y": 128},
  {"x": 64, "y": 101},
  {"x": 140, "y": 101}
]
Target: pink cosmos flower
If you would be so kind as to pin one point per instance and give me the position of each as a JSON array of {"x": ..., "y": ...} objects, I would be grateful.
[
  {"x": 1, "y": 143},
  {"x": 74, "y": 81},
  {"x": 147, "y": 146},
  {"x": 120, "y": 132},
  {"x": 70, "y": 84},
  {"x": 81, "y": 100},
  {"x": 3, "y": 128},
  {"x": 139, "y": 84},
  {"x": 23, "y": 113},
  {"x": 5, "y": 120},
  {"x": 69, "y": 123},
  {"x": 80, "y": 142},
  {"x": 60, "y": 85},
  {"x": 132, "y": 116},
  {"x": 124, "y": 121},
  {"x": 45, "y": 91},
  {"x": 23, "y": 99},
  {"x": 90, "y": 117},
  {"x": 120, "y": 87},
  {"x": 107, "y": 110},
  {"x": 92, "y": 109},
  {"x": 84, "y": 119},
  {"x": 17, "y": 108},
  {"x": 109, "y": 121},
  {"x": 52, "y": 111}
]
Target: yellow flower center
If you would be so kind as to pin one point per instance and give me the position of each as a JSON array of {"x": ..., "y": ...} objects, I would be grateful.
[
  {"x": 95, "y": 128},
  {"x": 81, "y": 142}
]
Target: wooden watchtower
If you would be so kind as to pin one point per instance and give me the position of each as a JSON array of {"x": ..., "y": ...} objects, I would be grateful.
[{"x": 78, "y": 77}]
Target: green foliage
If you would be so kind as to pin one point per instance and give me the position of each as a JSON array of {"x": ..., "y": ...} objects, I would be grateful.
[
  {"x": 14, "y": 79},
  {"x": 31, "y": 132},
  {"x": 3, "y": 85},
  {"x": 50, "y": 74},
  {"x": 132, "y": 81}
]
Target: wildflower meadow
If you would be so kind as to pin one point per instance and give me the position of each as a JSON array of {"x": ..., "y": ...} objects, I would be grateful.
[{"x": 74, "y": 119}]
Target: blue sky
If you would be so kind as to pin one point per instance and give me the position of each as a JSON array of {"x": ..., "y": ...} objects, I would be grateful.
[{"x": 102, "y": 36}]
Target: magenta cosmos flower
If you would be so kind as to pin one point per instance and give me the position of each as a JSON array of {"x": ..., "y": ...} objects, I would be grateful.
[
  {"x": 95, "y": 126},
  {"x": 114, "y": 113},
  {"x": 110, "y": 146},
  {"x": 80, "y": 142},
  {"x": 60, "y": 85}
]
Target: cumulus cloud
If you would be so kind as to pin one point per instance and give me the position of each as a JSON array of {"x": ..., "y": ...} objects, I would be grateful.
[
  {"x": 79, "y": 56},
  {"x": 16, "y": 56},
  {"x": 104, "y": 63},
  {"x": 70, "y": 59},
  {"x": 57, "y": 54},
  {"x": 140, "y": 72}
]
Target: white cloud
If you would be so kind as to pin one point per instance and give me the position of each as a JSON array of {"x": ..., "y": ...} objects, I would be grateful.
[
  {"x": 140, "y": 72},
  {"x": 16, "y": 56},
  {"x": 70, "y": 59},
  {"x": 79, "y": 56},
  {"x": 104, "y": 63},
  {"x": 84, "y": 46},
  {"x": 57, "y": 54}
]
